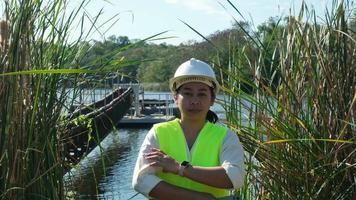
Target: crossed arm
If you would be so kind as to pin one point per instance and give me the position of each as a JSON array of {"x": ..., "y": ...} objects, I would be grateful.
[
  {"x": 212, "y": 176},
  {"x": 165, "y": 190}
]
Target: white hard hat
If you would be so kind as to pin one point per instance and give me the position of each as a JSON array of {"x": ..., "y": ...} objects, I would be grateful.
[{"x": 194, "y": 70}]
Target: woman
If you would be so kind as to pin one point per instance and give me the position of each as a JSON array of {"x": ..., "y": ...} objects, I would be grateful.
[{"x": 191, "y": 157}]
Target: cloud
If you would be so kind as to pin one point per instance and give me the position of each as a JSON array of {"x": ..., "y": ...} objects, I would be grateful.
[
  {"x": 200, "y": 5},
  {"x": 204, "y": 6},
  {"x": 171, "y": 1}
]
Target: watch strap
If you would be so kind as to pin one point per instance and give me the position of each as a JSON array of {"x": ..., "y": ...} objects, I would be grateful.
[{"x": 182, "y": 167}]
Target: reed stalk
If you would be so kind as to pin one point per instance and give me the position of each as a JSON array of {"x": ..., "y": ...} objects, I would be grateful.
[
  {"x": 298, "y": 122},
  {"x": 35, "y": 37},
  {"x": 39, "y": 60}
]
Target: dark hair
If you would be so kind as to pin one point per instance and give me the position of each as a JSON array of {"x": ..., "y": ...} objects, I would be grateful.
[{"x": 210, "y": 116}]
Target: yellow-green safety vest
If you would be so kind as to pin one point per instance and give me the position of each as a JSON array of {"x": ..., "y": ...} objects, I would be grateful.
[{"x": 206, "y": 152}]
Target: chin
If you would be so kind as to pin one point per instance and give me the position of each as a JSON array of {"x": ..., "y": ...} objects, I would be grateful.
[{"x": 196, "y": 116}]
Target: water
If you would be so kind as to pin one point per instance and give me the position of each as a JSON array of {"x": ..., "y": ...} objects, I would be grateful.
[{"x": 119, "y": 150}]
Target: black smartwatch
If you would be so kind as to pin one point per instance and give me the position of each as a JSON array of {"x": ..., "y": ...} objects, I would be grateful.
[{"x": 182, "y": 167}]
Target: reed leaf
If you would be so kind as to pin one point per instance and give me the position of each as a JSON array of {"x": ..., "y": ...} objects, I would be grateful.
[
  {"x": 297, "y": 122},
  {"x": 38, "y": 61}
]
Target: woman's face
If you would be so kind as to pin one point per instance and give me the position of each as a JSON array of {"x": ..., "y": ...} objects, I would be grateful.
[{"x": 194, "y": 100}]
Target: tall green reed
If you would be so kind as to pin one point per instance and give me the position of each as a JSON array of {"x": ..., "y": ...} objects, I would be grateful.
[
  {"x": 35, "y": 38},
  {"x": 298, "y": 121},
  {"x": 40, "y": 58}
]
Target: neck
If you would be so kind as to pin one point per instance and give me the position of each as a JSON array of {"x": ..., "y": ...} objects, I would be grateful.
[{"x": 192, "y": 127}]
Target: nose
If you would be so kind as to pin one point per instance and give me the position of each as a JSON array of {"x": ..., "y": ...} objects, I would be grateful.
[{"x": 195, "y": 100}]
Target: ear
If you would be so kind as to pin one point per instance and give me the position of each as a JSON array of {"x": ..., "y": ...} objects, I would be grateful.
[
  {"x": 212, "y": 101},
  {"x": 175, "y": 96}
]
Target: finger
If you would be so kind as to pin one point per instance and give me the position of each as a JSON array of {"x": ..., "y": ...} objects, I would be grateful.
[
  {"x": 158, "y": 153},
  {"x": 154, "y": 157},
  {"x": 157, "y": 150},
  {"x": 153, "y": 154},
  {"x": 154, "y": 164}
]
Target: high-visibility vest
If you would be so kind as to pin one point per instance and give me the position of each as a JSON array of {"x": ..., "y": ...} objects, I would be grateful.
[{"x": 206, "y": 152}]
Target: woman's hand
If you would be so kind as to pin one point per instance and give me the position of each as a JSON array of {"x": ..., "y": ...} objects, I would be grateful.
[{"x": 158, "y": 158}]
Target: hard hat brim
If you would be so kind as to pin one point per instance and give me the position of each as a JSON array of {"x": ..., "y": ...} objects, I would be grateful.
[{"x": 176, "y": 82}]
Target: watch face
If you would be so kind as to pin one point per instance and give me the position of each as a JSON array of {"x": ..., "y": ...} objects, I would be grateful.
[{"x": 184, "y": 163}]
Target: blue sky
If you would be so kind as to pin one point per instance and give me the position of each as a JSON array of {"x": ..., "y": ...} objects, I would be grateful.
[{"x": 139, "y": 19}]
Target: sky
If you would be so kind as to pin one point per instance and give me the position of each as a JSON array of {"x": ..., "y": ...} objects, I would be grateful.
[{"x": 139, "y": 19}]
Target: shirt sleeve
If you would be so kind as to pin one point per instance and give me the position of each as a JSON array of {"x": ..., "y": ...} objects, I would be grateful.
[
  {"x": 144, "y": 177},
  {"x": 232, "y": 159}
]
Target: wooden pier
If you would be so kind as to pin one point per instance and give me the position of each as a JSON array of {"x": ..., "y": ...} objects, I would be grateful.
[
  {"x": 143, "y": 121},
  {"x": 145, "y": 112}
]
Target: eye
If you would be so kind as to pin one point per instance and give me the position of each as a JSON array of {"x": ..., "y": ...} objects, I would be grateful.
[
  {"x": 188, "y": 94},
  {"x": 202, "y": 94}
]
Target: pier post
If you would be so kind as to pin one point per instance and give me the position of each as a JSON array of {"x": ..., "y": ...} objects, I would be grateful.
[
  {"x": 167, "y": 106},
  {"x": 136, "y": 90}
]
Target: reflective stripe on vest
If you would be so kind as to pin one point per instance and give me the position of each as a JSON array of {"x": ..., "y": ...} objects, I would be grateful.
[{"x": 205, "y": 153}]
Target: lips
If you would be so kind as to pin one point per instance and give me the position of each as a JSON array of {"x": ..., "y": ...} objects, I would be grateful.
[{"x": 194, "y": 110}]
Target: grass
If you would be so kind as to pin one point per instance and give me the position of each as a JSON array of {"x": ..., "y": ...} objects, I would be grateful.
[
  {"x": 299, "y": 128},
  {"x": 33, "y": 38},
  {"x": 38, "y": 62}
]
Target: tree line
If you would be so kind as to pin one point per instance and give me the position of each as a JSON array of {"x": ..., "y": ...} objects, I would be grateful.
[{"x": 153, "y": 64}]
